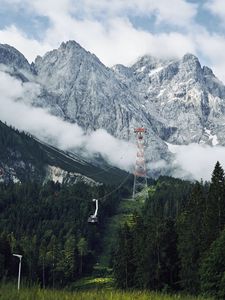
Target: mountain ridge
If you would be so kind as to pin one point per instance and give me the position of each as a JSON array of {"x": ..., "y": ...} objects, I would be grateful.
[{"x": 177, "y": 100}]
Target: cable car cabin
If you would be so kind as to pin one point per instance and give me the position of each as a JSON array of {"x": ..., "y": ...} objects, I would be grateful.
[{"x": 93, "y": 220}]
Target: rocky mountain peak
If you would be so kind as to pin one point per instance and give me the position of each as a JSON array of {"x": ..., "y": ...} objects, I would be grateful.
[
  {"x": 70, "y": 44},
  {"x": 189, "y": 57},
  {"x": 190, "y": 64},
  {"x": 11, "y": 57},
  {"x": 207, "y": 71}
]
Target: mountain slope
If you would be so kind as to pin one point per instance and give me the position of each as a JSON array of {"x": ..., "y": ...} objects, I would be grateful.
[{"x": 23, "y": 158}]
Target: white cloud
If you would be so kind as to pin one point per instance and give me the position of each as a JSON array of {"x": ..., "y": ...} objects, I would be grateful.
[
  {"x": 119, "y": 41},
  {"x": 29, "y": 47},
  {"x": 216, "y": 7},
  {"x": 115, "y": 42},
  {"x": 212, "y": 46},
  {"x": 104, "y": 28},
  {"x": 178, "y": 12},
  {"x": 113, "y": 38},
  {"x": 16, "y": 111},
  {"x": 197, "y": 161}
]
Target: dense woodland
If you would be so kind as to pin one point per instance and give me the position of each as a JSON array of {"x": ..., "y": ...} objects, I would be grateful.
[
  {"x": 178, "y": 241},
  {"x": 174, "y": 243},
  {"x": 48, "y": 226}
]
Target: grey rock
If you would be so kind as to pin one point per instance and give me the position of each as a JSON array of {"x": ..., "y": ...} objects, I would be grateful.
[{"x": 177, "y": 100}]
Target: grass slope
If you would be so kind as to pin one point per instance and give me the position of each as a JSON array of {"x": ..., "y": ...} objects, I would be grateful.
[
  {"x": 9, "y": 292},
  {"x": 124, "y": 214}
]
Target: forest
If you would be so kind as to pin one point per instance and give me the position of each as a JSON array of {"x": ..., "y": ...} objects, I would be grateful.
[
  {"x": 48, "y": 226},
  {"x": 174, "y": 243},
  {"x": 177, "y": 242}
]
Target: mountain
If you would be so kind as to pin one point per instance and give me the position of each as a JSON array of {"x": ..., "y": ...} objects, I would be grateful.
[
  {"x": 177, "y": 100},
  {"x": 186, "y": 98},
  {"x": 23, "y": 158}
]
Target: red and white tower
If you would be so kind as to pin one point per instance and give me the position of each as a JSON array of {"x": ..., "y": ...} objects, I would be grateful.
[{"x": 140, "y": 172}]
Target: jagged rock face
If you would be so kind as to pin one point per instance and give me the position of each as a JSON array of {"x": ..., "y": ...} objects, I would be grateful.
[
  {"x": 9, "y": 56},
  {"x": 90, "y": 94},
  {"x": 177, "y": 100},
  {"x": 186, "y": 98}
]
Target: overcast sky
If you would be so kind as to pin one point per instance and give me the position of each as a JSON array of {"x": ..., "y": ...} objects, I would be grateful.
[{"x": 118, "y": 31}]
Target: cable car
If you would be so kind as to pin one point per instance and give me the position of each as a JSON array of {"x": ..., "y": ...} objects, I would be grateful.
[{"x": 94, "y": 218}]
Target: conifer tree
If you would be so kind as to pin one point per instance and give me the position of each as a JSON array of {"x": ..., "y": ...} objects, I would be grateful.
[
  {"x": 191, "y": 238},
  {"x": 124, "y": 268},
  {"x": 82, "y": 249},
  {"x": 215, "y": 209},
  {"x": 212, "y": 270}
]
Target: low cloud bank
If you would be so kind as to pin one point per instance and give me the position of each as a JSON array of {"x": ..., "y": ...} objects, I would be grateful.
[
  {"x": 15, "y": 110},
  {"x": 196, "y": 161}
]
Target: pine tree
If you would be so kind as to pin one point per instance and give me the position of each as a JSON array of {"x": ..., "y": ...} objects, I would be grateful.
[
  {"x": 215, "y": 209},
  {"x": 191, "y": 238},
  {"x": 82, "y": 249},
  {"x": 124, "y": 267},
  {"x": 212, "y": 270}
]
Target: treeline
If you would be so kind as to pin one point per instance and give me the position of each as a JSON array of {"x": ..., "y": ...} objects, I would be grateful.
[
  {"x": 48, "y": 226},
  {"x": 178, "y": 241},
  {"x": 22, "y": 153}
]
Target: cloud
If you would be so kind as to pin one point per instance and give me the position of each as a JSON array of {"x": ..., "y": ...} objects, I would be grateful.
[
  {"x": 216, "y": 7},
  {"x": 212, "y": 46},
  {"x": 118, "y": 41},
  {"x": 178, "y": 13},
  {"x": 16, "y": 111},
  {"x": 196, "y": 161},
  {"x": 29, "y": 47},
  {"x": 104, "y": 28}
]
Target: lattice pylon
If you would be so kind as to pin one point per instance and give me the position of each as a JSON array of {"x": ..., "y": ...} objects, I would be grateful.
[{"x": 140, "y": 172}]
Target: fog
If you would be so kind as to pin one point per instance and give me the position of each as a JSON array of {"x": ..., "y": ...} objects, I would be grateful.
[
  {"x": 196, "y": 161},
  {"x": 16, "y": 110}
]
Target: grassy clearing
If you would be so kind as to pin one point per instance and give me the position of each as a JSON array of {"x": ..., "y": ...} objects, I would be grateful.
[
  {"x": 93, "y": 283},
  {"x": 9, "y": 292},
  {"x": 124, "y": 214}
]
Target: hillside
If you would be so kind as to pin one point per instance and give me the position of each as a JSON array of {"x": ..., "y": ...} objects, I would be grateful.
[{"x": 23, "y": 158}]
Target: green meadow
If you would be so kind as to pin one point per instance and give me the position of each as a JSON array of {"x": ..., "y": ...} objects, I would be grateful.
[{"x": 9, "y": 292}]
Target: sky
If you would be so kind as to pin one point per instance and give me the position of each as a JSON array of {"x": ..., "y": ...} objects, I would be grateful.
[{"x": 119, "y": 31}]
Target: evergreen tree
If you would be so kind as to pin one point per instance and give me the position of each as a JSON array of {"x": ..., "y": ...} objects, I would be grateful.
[
  {"x": 124, "y": 268},
  {"x": 212, "y": 270},
  {"x": 82, "y": 250},
  {"x": 215, "y": 209},
  {"x": 5, "y": 256},
  {"x": 191, "y": 238}
]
